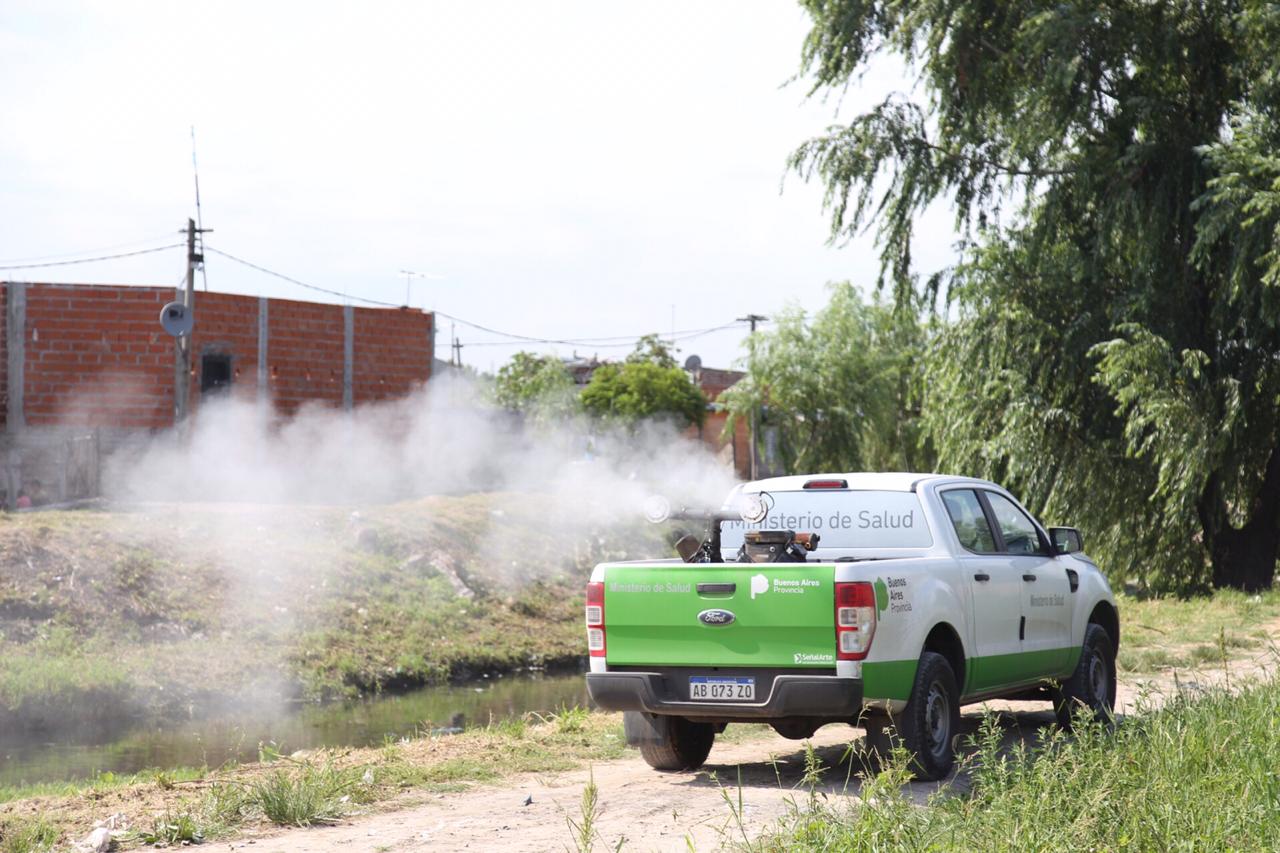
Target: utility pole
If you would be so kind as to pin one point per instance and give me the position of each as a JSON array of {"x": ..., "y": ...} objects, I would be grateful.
[
  {"x": 753, "y": 319},
  {"x": 182, "y": 353},
  {"x": 457, "y": 352}
]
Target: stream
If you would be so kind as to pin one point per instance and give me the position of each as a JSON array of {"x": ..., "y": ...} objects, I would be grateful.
[{"x": 235, "y": 736}]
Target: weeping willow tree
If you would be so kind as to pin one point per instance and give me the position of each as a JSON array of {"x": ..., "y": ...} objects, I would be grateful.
[
  {"x": 1114, "y": 350},
  {"x": 840, "y": 389}
]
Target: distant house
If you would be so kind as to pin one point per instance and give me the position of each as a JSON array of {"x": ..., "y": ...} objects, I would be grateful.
[
  {"x": 87, "y": 359},
  {"x": 581, "y": 368},
  {"x": 735, "y": 450}
]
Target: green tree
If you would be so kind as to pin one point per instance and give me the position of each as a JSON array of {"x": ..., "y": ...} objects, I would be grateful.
[
  {"x": 1115, "y": 354},
  {"x": 647, "y": 385},
  {"x": 537, "y": 386},
  {"x": 652, "y": 349},
  {"x": 842, "y": 390}
]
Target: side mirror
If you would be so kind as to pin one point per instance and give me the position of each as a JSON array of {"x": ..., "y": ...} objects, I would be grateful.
[{"x": 1066, "y": 540}]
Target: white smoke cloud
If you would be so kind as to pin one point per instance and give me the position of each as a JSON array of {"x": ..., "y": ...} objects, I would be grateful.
[{"x": 444, "y": 439}]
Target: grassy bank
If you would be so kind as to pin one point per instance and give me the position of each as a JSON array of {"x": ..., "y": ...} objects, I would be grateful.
[
  {"x": 1163, "y": 634},
  {"x": 1199, "y": 774},
  {"x": 169, "y": 611},
  {"x": 304, "y": 789}
]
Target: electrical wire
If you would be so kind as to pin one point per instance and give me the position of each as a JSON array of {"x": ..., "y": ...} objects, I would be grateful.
[
  {"x": 628, "y": 339},
  {"x": 303, "y": 284},
  {"x": 599, "y": 342},
  {"x": 629, "y": 342},
  {"x": 90, "y": 260},
  {"x": 72, "y": 255}
]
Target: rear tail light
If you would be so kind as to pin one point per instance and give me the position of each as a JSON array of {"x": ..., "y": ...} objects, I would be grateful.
[
  {"x": 855, "y": 619},
  {"x": 595, "y": 619}
]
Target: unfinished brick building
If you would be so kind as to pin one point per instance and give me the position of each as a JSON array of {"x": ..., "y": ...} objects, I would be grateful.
[{"x": 92, "y": 360}]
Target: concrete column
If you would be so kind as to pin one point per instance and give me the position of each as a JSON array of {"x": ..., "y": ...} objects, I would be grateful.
[
  {"x": 431, "y": 344},
  {"x": 348, "y": 356},
  {"x": 15, "y": 328},
  {"x": 264, "y": 389}
]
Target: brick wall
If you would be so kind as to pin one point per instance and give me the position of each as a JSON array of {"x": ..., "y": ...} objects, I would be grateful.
[
  {"x": 305, "y": 353},
  {"x": 96, "y": 355},
  {"x": 391, "y": 347}
]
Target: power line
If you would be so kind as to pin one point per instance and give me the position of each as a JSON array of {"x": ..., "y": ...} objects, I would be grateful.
[
  {"x": 72, "y": 255},
  {"x": 629, "y": 340},
  {"x": 601, "y": 342},
  {"x": 90, "y": 260},
  {"x": 284, "y": 277}
]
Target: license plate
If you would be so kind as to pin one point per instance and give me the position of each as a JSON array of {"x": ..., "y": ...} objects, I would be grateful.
[{"x": 733, "y": 688}]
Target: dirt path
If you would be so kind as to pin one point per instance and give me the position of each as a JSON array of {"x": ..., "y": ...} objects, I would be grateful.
[{"x": 652, "y": 811}]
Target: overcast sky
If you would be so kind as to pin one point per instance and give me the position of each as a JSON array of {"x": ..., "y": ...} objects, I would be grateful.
[{"x": 567, "y": 170}]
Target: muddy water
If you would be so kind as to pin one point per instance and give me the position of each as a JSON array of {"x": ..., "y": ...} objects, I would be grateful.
[{"x": 236, "y": 736}]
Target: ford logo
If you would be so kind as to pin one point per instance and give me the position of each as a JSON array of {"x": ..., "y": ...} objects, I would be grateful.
[{"x": 716, "y": 617}]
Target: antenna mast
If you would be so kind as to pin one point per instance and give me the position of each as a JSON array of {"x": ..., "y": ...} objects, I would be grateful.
[{"x": 195, "y": 170}]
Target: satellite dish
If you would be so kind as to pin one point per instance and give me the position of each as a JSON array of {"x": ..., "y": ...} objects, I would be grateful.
[
  {"x": 177, "y": 319},
  {"x": 693, "y": 364}
]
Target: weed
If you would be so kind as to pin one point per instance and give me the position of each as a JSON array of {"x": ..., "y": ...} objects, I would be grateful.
[
  {"x": 224, "y": 806},
  {"x": 27, "y": 836},
  {"x": 584, "y": 831},
  {"x": 306, "y": 796},
  {"x": 172, "y": 828},
  {"x": 735, "y": 805},
  {"x": 570, "y": 720},
  {"x": 513, "y": 727}
]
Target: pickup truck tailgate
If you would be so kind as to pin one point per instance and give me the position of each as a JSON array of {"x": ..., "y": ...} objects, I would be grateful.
[{"x": 769, "y": 615}]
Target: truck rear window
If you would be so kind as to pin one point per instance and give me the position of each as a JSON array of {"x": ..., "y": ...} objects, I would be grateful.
[{"x": 844, "y": 519}]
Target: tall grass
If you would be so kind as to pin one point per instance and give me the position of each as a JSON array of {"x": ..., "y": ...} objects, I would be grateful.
[
  {"x": 27, "y": 836},
  {"x": 1199, "y": 774},
  {"x": 308, "y": 795}
]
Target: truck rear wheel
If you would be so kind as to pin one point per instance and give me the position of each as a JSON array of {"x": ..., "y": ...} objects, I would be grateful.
[
  {"x": 1093, "y": 684},
  {"x": 931, "y": 719},
  {"x": 668, "y": 743}
]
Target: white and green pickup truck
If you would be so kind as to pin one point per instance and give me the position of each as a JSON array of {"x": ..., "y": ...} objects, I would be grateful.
[{"x": 880, "y": 600}]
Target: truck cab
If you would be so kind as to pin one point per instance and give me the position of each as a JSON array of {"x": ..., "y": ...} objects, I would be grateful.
[{"x": 881, "y": 600}]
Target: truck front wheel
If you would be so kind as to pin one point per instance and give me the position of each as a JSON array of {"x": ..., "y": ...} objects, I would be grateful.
[
  {"x": 668, "y": 743},
  {"x": 1093, "y": 684},
  {"x": 931, "y": 719}
]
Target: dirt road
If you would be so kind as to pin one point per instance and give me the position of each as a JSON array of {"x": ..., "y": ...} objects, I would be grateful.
[{"x": 645, "y": 810}]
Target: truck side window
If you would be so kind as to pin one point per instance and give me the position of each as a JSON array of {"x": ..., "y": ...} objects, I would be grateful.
[
  {"x": 1019, "y": 532},
  {"x": 969, "y": 520}
]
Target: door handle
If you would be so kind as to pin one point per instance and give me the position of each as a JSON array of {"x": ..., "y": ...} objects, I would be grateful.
[
  {"x": 982, "y": 576},
  {"x": 1028, "y": 577}
]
